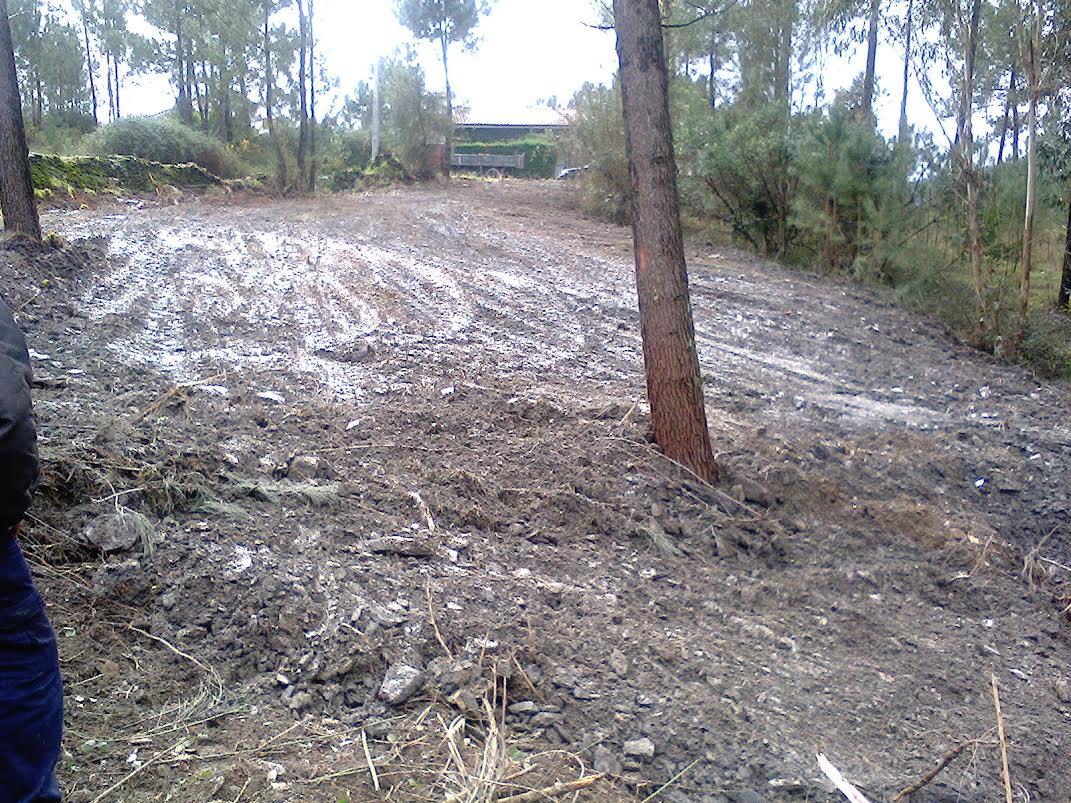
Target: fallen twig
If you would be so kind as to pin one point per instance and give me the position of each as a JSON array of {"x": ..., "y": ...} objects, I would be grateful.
[
  {"x": 1003, "y": 742},
  {"x": 434, "y": 624},
  {"x": 843, "y": 784},
  {"x": 670, "y": 782},
  {"x": 368, "y": 758},
  {"x": 425, "y": 511},
  {"x": 136, "y": 770},
  {"x": 557, "y": 790},
  {"x": 946, "y": 759}
]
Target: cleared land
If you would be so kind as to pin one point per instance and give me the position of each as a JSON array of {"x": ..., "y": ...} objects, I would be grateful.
[{"x": 323, "y": 438}]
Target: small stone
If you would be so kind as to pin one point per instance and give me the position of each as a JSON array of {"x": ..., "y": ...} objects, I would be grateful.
[
  {"x": 523, "y": 707},
  {"x": 619, "y": 663},
  {"x": 404, "y": 545},
  {"x": 300, "y": 700},
  {"x": 606, "y": 761},
  {"x": 117, "y": 532},
  {"x": 544, "y": 718},
  {"x": 304, "y": 467},
  {"x": 400, "y": 683},
  {"x": 125, "y": 582},
  {"x": 168, "y": 600},
  {"x": 1063, "y": 691},
  {"x": 640, "y": 748},
  {"x": 281, "y": 679},
  {"x": 746, "y": 796}
]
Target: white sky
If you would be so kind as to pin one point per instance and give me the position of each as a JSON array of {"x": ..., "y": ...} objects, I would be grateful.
[{"x": 528, "y": 50}]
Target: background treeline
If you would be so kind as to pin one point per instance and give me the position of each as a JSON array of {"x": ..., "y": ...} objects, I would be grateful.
[
  {"x": 966, "y": 213},
  {"x": 247, "y": 83}
]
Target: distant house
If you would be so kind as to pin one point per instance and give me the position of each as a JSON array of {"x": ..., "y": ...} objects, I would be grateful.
[{"x": 514, "y": 125}]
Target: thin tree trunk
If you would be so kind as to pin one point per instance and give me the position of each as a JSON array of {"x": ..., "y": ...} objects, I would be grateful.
[
  {"x": 115, "y": 67},
  {"x": 712, "y": 64},
  {"x": 1026, "y": 263},
  {"x": 449, "y": 102},
  {"x": 1004, "y": 120},
  {"x": 1064, "y": 298},
  {"x": 108, "y": 77},
  {"x": 39, "y": 101},
  {"x": 303, "y": 120},
  {"x": 185, "y": 102},
  {"x": 269, "y": 115},
  {"x": 89, "y": 70},
  {"x": 375, "y": 112},
  {"x": 312, "y": 101},
  {"x": 904, "y": 131},
  {"x": 17, "y": 202},
  {"x": 966, "y": 148},
  {"x": 1015, "y": 117},
  {"x": 674, "y": 385},
  {"x": 866, "y": 111}
]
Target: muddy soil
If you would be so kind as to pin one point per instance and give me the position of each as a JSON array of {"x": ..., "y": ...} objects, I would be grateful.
[{"x": 295, "y": 448}]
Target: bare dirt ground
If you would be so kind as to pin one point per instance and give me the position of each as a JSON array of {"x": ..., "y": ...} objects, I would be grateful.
[{"x": 295, "y": 447}]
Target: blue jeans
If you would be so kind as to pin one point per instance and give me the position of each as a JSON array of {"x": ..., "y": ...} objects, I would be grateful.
[{"x": 31, "y": 691}]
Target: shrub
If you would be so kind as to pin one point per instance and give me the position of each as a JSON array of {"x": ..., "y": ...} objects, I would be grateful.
[
  {"x": 166, "y": 141},
  {"x": 540, "y": 155},
  {"x": 596, "y": 139}
]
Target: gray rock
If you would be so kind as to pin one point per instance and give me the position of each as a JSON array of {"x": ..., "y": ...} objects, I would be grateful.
[
  {"x": 305, "y": 467},
  {"x": 640, "y": 748},
  {"x": 300, "y": 700},
  {"x": 1063, "y": 691},
  {"x": 746, "y": 796},
  {"x": 523, "y": 707},
  {"x": 400, "y": 683},
  {"x": 619, "y": 663},
  {"x": 606, "y": 761},
  {"x": 404, "y": 545},
  {"x": 125, "y": 582},
  {"x": 117, "y": 532}
]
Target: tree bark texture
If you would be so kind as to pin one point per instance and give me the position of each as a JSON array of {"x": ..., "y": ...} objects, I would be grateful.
[
  {"x": 674, "y": 385},
  {"x": 17, "y": 203}
]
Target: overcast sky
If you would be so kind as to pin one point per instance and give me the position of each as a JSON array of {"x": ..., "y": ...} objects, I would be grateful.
[{"x": 528, "y": 50}]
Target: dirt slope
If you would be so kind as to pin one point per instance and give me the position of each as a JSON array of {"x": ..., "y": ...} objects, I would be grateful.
[{"x": 407, "y": 435}]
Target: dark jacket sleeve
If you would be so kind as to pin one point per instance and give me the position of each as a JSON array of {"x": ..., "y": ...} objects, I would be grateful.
[{"x": 18, "y": 435}]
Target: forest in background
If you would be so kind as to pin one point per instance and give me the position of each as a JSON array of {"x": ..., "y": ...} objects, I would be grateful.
[{"x": 965, "y": 215}]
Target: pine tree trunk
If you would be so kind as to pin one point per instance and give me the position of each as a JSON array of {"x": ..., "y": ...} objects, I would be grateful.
[
  {"x": 115, "y": 67},
  {"x": 303, "y": 102},
  {"x": 449, "y": 104},
  {"x": 312, "y": 101},
  {"x": 674, "y": 385},
  {"x": 903, "y": 131},
  {"x": 1026, "y": 263},
  {"x": 1004, "y": 119},
  {"x": 185, "y": 102},
  {"x": 1064, "y": 298},
  {"x": 89, "y": 71},
  {"x": 1015, "y": 117},
  {"x": 108, "y": 77},
  {"x": 966, "y": 154},
  {"x": 280, "y": 159},
  {"x": 375, "y": 112},
  {"x": 866, "y": 111},
  {"x": 17, "y": 202}
]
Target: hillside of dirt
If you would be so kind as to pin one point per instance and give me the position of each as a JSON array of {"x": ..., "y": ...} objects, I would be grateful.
[{"x": 351, "y": 499}]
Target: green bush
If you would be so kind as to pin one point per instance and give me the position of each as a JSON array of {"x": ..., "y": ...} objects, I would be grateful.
[
  {"x": 166, "y": 141},
  {"x": 596, "y": 139},
  {"x": 540, "y": 155}
]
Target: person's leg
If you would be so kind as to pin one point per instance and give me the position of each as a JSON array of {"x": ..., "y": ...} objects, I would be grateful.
[{"x": 31, "y": 695}]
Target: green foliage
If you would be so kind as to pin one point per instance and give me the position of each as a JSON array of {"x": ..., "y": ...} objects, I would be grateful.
[
  {"x": 166, "y": 141},
  {"x": 413, "y": 119},
  {"x": 67, "y": 175},
  {"x": 540, "y": 155},
  {"x": 597, "y": 139},
  {"x": 446, "y": 20}
]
